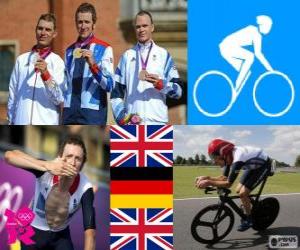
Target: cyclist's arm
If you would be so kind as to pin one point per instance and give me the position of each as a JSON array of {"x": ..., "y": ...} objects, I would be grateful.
[
  {"x": 227, "y": 183},
  {"x": 235, "y": 170},
  {"x": 20, "y": 159},
  {"x": 89, "y": 221},
  {"x": 204, "y": 181},
  {"x": 199, "y": 179},
  {"x": 25, "y": 161},
  {"x": 218, "y": 178},
  {"x": 219, "y": 183},
  {"x": 258, "y": 53}
]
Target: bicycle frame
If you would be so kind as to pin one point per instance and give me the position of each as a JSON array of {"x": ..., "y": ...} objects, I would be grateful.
[{"x": 225, "y": 199}]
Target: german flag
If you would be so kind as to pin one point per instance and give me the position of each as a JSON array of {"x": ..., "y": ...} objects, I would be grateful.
[{"x": 141, "y": 188}]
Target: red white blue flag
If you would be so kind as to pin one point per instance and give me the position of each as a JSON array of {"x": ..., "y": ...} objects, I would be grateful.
[
  {"x": 141, "y": 146},
  {"x": 142, "y": 229}
]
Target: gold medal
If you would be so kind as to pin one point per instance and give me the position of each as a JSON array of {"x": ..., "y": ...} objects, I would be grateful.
[
  {"x": 77, "y": 53},
  {"x": 142, "y": 75}
]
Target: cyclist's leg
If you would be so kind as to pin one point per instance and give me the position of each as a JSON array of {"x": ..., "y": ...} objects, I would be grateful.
[
  {"x": 248, "y": 59},
  {"x": 228, "y": 53},
  {"x": 238, "y": 188},
  {"x": 244, "y": 192},
  {"x": 250, "y": 180},
  {"x": 256, "y": 176}
]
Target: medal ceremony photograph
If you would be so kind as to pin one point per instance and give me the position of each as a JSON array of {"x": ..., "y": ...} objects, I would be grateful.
[{"x": 97, "y": 62}]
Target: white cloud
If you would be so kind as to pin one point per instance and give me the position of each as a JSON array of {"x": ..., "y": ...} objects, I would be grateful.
[
  {"x": 241, "y": 133},
  {"x": 190, "y": 140},
  {"x": 285, "y": 144},
  {"x": 280, "y": 142}
]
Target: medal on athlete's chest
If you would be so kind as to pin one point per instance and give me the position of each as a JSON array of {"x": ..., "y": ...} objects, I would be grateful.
[
  {"x": 143, "y": 73},
  {"x": 77, "y": 53}
]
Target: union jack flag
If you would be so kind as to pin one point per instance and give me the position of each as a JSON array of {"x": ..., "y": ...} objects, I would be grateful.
[
  {"x": 141, "y": 229},
  {"x": 141, "y": 146}
]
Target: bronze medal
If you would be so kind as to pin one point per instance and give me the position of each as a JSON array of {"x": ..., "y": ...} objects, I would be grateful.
[
  {"x": 77, "y": 53},
  {"x": 57, "y": 207},
  {"x": 142, "y": 75}
]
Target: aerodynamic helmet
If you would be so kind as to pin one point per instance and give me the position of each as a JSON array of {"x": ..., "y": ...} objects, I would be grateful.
[{"x": 219, "y": 147}]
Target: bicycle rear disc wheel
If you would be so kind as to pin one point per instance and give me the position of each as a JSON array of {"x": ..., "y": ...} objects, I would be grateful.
[
  {"x": 265, "y": 213},
  {"x": 212, "y": 224}
]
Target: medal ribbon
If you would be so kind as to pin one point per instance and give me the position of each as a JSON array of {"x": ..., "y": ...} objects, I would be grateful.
[
  {"x": 43, "y": 53},
  {"x": 80, "y": 44},
  {"x": 144, "y": 63}
]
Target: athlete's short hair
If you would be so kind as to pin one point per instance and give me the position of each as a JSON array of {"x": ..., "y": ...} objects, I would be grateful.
[
  {"x": 74, "y": 140},
  {"x": 142, "y": 13},
  {"x": 49, "y": 17},
  {"x": 87, "y": 8}
]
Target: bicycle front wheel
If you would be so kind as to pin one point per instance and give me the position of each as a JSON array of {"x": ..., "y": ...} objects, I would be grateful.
[
  {"x": 287, "y": 81},
  {"x": 212, "y": 224}
]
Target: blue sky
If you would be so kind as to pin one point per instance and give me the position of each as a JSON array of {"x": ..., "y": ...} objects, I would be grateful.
[{"x": 280, "y": 142}]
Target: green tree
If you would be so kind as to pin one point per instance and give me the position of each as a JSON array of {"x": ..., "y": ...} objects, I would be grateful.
[
  {"x": 203, "y": 160},
  {"x": 297, "y": 162},
  {"x": 197, "y": 159},
  {"x": 178, "y": 160},
  {"x": 190, "y": 161}
]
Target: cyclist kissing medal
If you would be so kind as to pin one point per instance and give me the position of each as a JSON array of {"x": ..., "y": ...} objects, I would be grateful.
[{"x": 77, "y": 53}]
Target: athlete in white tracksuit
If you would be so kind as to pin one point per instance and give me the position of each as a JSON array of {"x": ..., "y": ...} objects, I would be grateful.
[
  {"x": 37, "y": 80},
  {"x": 32, "y": 100},
  {"x": 146, "y": 95}
]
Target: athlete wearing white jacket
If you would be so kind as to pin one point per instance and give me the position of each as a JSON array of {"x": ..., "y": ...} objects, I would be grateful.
[
  {"x": 145, "y": 76},
  {"x": 31, "y": 99},
  {"x": 35, "y": 87}
]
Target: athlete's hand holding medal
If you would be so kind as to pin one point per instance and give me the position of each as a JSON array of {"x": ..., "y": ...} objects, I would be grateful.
[
  {"x": 85, "y": 53},
  {"x": 38, "y": 59},
  {"x": 144, "y": 75},
  {"x": 152, "y": 78},
  {"x": 40, "y": 65},
  {"x": 77, "y": 53}
]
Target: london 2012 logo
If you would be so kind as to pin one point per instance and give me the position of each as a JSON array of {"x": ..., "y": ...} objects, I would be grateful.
[
  {"x": 18, "y": 226},
  {"x": 16, "y": 223}
]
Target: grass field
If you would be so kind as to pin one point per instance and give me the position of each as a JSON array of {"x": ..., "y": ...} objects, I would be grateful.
[{"x": 184, "y": 179}]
